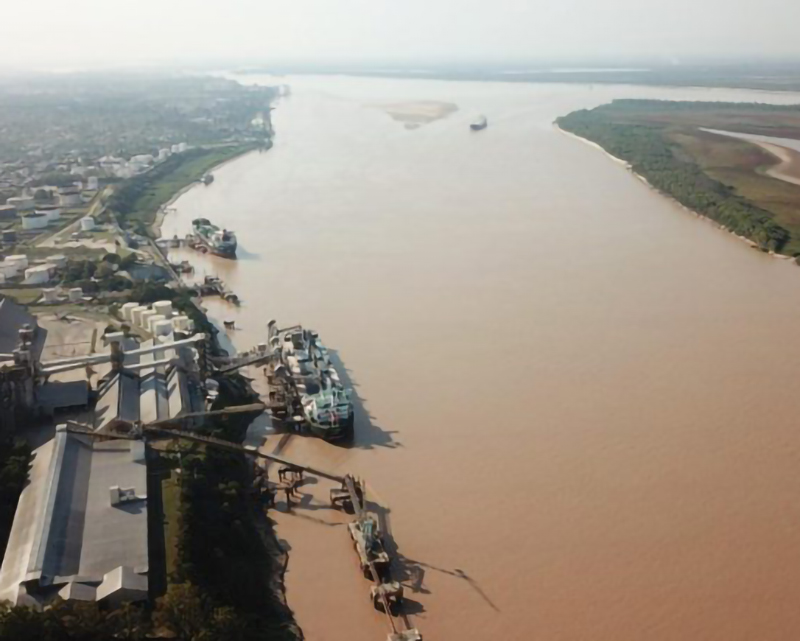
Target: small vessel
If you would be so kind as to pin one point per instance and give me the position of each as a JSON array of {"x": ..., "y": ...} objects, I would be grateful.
[
  {"x": 207, "y": 179},
  {"x": 480, "y": 123},
  {"x": 218, "y": 241},
  {"x": 325, "y": 403}
]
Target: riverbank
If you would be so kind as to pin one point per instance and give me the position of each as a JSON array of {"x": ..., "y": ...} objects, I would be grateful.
[
  {"x": 139, "y": 200},
  {"x": 664, "y": 194},
  {"x": 724, "y": 179},
  {"x": 155, "y": 227}
]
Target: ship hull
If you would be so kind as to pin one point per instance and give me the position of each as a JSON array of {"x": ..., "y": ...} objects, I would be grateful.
[
  {"x": 224, "y": 252},
  {"x": 342, "y": 433}
]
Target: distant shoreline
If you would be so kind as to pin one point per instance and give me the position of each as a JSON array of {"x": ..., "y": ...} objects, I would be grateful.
[{"x": 785, "y": 80}]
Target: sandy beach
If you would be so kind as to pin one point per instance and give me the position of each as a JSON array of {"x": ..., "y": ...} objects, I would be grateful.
[
  {"x": 418, "y": 113},
  {"x": 788, "y": 167}
]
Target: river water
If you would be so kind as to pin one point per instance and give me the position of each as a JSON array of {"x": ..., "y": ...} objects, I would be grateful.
[{"x": 578, "y": 400}]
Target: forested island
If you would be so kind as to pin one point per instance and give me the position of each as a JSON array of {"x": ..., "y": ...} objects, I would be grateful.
[{"x": 716, "y": 176}]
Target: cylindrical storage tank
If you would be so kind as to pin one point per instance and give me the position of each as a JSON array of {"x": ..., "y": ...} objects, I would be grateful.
[
  {"x": 58, "y": 260},
  {"x": 20, "y": 260},
  {"x": 75, "y": 294},
  {"x": 136, "y": 314},
  {"x": 92, "y": 183},
  {"x": 52, "y": 212},
  {"x": 87, "y": 223},
  {"x": 70, "y": 199},
  {"x": 34, "y": 221},
  {"x": 126, "y": 310},
  {"x": 162, "y": 327},
  {"x": 37, "y": 275},
  {"x": 22, "y": 203},
  {"x": 152, "y": 320},
  {"x": 164, "y": 308},
  {"x": 50, "y": 295},
  {"x": 144, "y": 323}
]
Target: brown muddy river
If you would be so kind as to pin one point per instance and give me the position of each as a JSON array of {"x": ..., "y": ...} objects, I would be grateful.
[{"x": 579, "y": 401}]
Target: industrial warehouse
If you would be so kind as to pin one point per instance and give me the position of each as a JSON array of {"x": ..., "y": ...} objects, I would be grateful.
[{"x": 81, "y": 530}]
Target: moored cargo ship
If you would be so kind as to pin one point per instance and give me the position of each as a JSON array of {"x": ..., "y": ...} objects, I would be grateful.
[
  {"x": 218, "y": 241},
  {"x": 325, "y": 403}
]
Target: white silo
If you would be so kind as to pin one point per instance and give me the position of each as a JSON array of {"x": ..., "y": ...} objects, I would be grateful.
[
  {"x": 152, "y": 320},
  {"x": 136, "y": 314},
  {"x": 162, "y": 328},
  {"x": 127, "y": 309},
  {"x": 50, "y": 295},
  {"x": 87, "y": 223},
  {"x": 163, "y": 307},
  {"x": 75, "y": 294},
  {"x": 144, "y": 321}
]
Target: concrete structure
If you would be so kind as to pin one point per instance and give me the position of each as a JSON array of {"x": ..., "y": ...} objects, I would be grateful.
[
  {"x": 38, "y": 275},
  {"x": 50, "y": 295},
  {"x": 68, "y": 538},
  {"x": 87, "y": 223},
  {"x": 164, "y": 308},
  {"x": 75, "y": 294},
  {"x": 57, "y": 260},
  {"x": 12, "y": 318},
  {"x": 34, "y": 221}
]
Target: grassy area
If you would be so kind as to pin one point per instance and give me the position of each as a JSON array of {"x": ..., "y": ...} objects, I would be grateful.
[
  {"x": 170, "y": 499},
  {"x": 141, "y": 197},
  {"x": 22, "y": 296},
  {"x": 741, "y": 165},
  {"x": 717, "y": 176}
]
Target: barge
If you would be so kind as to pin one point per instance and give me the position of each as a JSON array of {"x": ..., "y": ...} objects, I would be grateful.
[{"x": 480, "y": 123}]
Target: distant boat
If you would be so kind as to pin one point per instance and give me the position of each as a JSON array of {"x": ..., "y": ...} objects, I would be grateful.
[
  {"x": 480, "y": 123},
  {"x": 207, "y": 179}
]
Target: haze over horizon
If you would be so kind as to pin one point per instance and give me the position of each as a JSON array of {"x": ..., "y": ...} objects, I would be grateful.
[{"x": 92, "y": 33}]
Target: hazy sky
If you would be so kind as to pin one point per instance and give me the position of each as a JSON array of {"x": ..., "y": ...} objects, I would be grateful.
[{"x": 107, "y": 32}]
